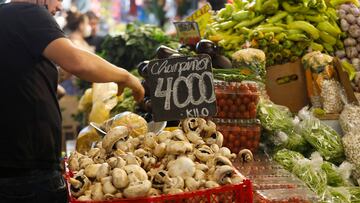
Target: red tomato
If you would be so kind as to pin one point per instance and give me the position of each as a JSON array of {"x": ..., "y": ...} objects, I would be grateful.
[
  {"x": 238, "y": 101},
  {"x": 237, "y": 142},
  {"x": 253, "y": 113},
  {"x": 233, "y": 108},
  {"x": 221, "y": 114},
  {"x": 221, "y": 102},
  {"x": 225, "y": 108},
  {"x": 252, "y": 87},
  {"x": 242, "y": 139},
  {"x": 230, "y": 138},
  {"x": 229, "y": 102},
  {"x": 238, "y": 115},
  {"x": 242, "y": 108},
  {"x": 248, "y": 144},
  {"x": 246, "y": 115},
  {"x": 252, "y": 106},
  {"x": 255, "y": 98},
  {"x": 230, "y": 114},
  {"x": 245, "y": 100},
  {"x": 243, "y": 88}
]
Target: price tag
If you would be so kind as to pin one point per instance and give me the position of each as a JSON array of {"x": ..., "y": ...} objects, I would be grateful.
[
  {"x": 188, "y": 32},
  {"x": 202, "y": 16},
  {"x": 182, "y": 87}
]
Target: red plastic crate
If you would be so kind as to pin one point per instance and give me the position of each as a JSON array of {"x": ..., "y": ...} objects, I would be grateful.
[{"x": 240, "y": 193}]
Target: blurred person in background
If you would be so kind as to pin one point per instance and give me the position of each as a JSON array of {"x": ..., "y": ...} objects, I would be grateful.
[
  {"x": 94, "y": 39},
  {"x": 31, "y": 43},
  {"x": 78, "y": 29}
]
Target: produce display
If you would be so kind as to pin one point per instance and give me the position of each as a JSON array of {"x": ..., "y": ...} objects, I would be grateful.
[
  {"x": 239, "y": 134},
  {"x": 349, "y": 15},
  {"x": 323, "y": 89},
  {"x": 128, "y": 163},
  {"x": 284, "y": 30},
  {"x": 136, "y": 44},
  {"x": 247, "y": 64},
  {"x": 236, "y": 100}
]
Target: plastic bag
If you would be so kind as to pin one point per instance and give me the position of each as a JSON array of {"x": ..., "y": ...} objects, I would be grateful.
[
  {"x": 351, "y": 143},
  {"x": 311, "y": 173},
  {"x": 86, "y": 138},
  {"x": 331, "y": 96},
  {"x": 322, "y": 137},
  {"x": 86, "y": 100},
  {"x": 290, "y": 140},
  {"x": 287, "y": 158},
  {"x": 335, "y": 175},
  {"x": 274, "y": 117},
  {"x": 338, "y": 195},
  {"x": 350, "y": 118}
]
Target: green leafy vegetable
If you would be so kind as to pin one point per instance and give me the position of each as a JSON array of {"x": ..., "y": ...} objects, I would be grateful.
[{"x": 287, "y": 158}]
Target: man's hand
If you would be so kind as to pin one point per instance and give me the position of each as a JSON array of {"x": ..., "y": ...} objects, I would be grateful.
[{"x": 134, "y": 84}]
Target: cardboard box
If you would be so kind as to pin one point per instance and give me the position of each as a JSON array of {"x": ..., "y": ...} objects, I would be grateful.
[{"x": 286, "y": 85}]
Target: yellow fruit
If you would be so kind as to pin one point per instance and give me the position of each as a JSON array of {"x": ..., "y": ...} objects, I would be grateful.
[
  {"x": 136, "y": 124},
  {"x": 86, "y": 137}
]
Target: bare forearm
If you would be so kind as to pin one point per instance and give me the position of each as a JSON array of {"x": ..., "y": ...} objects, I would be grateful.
[{"x": 95, "y": 69}]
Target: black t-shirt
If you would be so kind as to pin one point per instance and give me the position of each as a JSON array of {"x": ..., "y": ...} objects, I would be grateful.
[{"x": 30, "y": 130}]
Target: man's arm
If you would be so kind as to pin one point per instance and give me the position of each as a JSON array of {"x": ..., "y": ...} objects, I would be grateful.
[{"x": 90, "y": 67}]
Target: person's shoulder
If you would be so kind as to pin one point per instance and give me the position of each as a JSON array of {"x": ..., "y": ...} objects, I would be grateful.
[{"x": 21, "y": 5}]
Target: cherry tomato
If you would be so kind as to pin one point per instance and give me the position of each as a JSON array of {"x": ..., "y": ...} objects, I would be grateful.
[
  {"x": 243, "y": 88},
  {"x": 238, "y": 101},
  {"x": 233, "y": 108},
  {"x": 246, "y": 115},
  {"x": 237, "y": 115},
  {"x": 221, "y": 102},
  {"x": 245, "y": 100},
  {"x": 230, "y": 114},
  {"x": 252, "y": 106},
  {"x": 252, "y": 113},
  {"x": 221, "y": 114},
  {"x": 248, "y": 144},
  {"x": 230, "y": 138},
  {"x": 229, "y": 102},
  {"x": 242, "y": 108},
  {"x": 252, "y": 87},
  {"x": 225, "y": 108},
  {"x": 242, "y": 139}
]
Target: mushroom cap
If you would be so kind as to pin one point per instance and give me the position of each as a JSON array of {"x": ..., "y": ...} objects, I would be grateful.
[
  {"x": 179, "y": 135},
  {"x": 91, "y": 170},
  {"x": 204, "y": 153},
  {"x": 160, "y": 150},
  {"x": 79, "y": 184},
  {"x": 96, "y": 192},
  {"x": 223, "y": 174},
  {"x": 214, "y": 137},
  {"x": 154, "y": 192},
  {"x": 195, "y": 138},
  {"x": 114, "y": 135},
  {"x": 221, "y": 160},
  {"x": 135, "y": 173},
  {"x": 137, "y": 189},
  {"x": 85, "y": 161},
  {"x": 108, "y": 187},
  {"x": 160, "y": 178},
  {"x": 120, "y": 179},
  {"x": 211, "y": 184},
  {"x": 178, "y": 147},
  {"x": 164, "y": 136},
  {"x": 193, "y": 124},
  {"x": 181, "y": 167}
]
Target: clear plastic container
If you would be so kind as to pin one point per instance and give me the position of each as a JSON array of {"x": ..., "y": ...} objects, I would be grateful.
[
  {"x": 240, "y": 134},
  {"x": 236, "y": 100},
  {"x": 292, "y": 195}
]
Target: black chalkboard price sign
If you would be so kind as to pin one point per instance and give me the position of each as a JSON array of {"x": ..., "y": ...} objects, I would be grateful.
[{"x": 181, "y": 87}]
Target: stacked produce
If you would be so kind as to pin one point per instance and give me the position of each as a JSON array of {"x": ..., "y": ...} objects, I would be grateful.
[
  {"x": 136, "y": 44},
  {"x": 128, "y": 163},
  {"x": 284, "y": 30},
  {"x": 330, "y": 182},
  {"x": 350, "y": 23}
]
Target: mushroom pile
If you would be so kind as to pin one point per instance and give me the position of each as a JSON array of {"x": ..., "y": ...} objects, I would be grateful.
[{"x": 124, "y": 166}]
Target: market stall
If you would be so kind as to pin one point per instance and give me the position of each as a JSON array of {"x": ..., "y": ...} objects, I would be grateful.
[{"x": 238, "y": 116}]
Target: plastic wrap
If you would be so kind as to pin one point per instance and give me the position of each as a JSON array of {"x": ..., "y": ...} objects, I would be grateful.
[
  {"x": 322, "y": 137},
  {"x": 331, "y": 96},
  {"x": 311, "y": 173},
  {"x": 288, "y": 158},
  {"x": 349, "y": 118}
]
